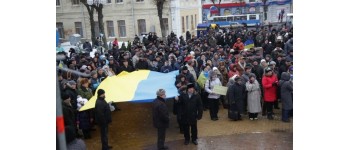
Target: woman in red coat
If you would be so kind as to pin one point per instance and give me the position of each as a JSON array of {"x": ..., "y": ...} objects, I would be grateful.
[
  {"x": 270, "y": 84},
  {"x": 239, "y": 45}
]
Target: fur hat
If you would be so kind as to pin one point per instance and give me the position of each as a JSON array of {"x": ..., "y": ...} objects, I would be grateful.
[
  {"x": 160, "y": 92},
  {"x": 190, "y": 85}
]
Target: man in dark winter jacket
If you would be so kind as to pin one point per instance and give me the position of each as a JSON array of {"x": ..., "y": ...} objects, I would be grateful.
[
  {"x": 72, "y": 92},
  {"x": 103, "y": 117},
  {"x": 236, "y": 96},
  {"x": 286, "y": 96},
  {"x": 69, "y": 112},
  {"x": 191, "y": 110},
  {"x": 160, "y": 118}
]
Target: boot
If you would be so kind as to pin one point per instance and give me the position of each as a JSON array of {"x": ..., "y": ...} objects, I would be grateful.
[{"x": 269, "y": 116}]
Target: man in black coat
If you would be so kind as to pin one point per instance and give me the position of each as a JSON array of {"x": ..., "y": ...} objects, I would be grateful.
[
  {"x": 72, "y": 92},
  {"x": 236, "y": 96},
  {"x": 160, "y": 118},
  {"x": 191, "y": 110},
  {"x": 69, "y": 112},
  {"x": 103, "y": 117}
]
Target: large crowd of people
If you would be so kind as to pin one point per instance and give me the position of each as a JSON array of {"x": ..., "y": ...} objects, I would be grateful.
[{"x": 258, "y": 78}]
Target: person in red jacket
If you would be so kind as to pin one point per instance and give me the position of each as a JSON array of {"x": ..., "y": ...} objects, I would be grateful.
[
  {"x": 270, "y": 84},
  {"x": 238, "y": 45}
]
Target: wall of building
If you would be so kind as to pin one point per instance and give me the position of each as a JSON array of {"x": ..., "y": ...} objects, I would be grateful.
[{"x": 68, "y": 14}]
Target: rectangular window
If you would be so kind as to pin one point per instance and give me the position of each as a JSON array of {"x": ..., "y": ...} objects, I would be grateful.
[
  {"x": 109, "y": 1},
  {"x": 166, "y": 25},
  {"x": 118, "y": 1},
  {"x": 110, "y": 29},
  {"x": 252, "y": 17},
  {"x": 183, "y": 24},
  {"x": 192, "y": 24},
  {"x": 250, "y": 1},
  {"x": 142, "y": 25},
  {"x": 139, "y": 0},
  {"x": 75, "y": 2},
  {"x": 78, "y": 28},
  {"x": 59, "y": 26},
  {"x": 121, "y": 28},
  {"x": 187, "y": 23},
  {"x": 97, "y": 29},
  {"x": 195, "y": 19},
  {"x": 58, "y": 3}
]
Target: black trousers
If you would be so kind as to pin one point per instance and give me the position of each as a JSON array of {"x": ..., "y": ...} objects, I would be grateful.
[
  {"x": 161, "y": 138},
  {"x": 179, "y": 122},
  {"x": 104, "y": 137},
  {"x": 214, "y": 107},
  {"x": 204, "y": 96},
  {"x": 194, "y": 132},
  {"x": 269, "y": 107},
  {"x": 253, "y": 115},
  {"x": 86, "y": 133}
]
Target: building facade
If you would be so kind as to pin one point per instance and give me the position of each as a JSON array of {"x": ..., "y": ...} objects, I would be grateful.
[
  {"x": 124, "y": 19},
  {"x": 234, "y": 7}
]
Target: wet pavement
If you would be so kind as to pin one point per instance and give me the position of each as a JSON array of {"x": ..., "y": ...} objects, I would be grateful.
[{"x": 131, "y": 129}]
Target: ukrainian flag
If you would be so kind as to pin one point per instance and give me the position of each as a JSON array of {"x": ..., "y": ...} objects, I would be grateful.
[
  {"x": 137, "y": 86},
  {"x": 201, "y": 80},
  {"x": 248, "y": 44}
]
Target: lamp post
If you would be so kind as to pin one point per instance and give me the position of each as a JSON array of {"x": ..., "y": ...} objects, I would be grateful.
[{"x": 98, "y": 5}]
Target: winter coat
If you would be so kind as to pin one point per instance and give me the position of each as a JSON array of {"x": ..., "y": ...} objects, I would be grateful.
[
  {"x": 236, "y": 96},
  {"x": 191, "y": 109},
  {"x": 127, "y": 69},
  {"x": 238, "y": 45},
  {"x": 224, "y": 76},
  {"x": 160, "y": 113},
  {"x": 73, "y": 96},
  {"x": 192, "y": 71},
  {"x": 254, "y": 96},
  {"x": 209, "y": 86},
  {"x": 270, "y": 90},
  {"x": 85, "y": 92},
  {"x": 286, "y": 91},
  {"x": 69, "y": 115},
  {"x": 94, "y": 84},
  {"x": 259, "y": 72},
  {"x": 102, "y": 112},
  {"x": 142, "y": 65}
]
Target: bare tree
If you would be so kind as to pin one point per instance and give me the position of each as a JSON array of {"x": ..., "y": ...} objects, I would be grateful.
[
  {"x": 92, "y": 21},
  {"x": 217, "y": 6},
  {"x": 160, "y": 6},
  {"x": 100, "y": 23}
]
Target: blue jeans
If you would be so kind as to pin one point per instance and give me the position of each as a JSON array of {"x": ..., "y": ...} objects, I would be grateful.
[{"x": 104, "y": 137}]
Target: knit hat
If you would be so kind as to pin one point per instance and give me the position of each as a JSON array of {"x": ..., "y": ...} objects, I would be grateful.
[
  {"x": 71, "y": 83},
  {"x": 190, "y": 85},
  {"x": 93, "y": 73},
  {"x": 100, "y": 92},
  {"x": 268, "y": 69}
]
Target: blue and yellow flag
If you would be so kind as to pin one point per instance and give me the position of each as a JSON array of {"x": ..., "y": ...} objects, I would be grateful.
[
  {"x": 137, "y": 86},
  {"x": 201, "y": 80},
  {"x": 248, "y": 44}
]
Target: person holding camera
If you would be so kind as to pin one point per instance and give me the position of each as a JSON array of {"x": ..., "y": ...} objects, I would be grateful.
[{"x": 270, "y": 84}]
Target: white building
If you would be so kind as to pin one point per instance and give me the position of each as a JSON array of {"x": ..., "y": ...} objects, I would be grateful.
[{"x": 125, "y": 18}]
